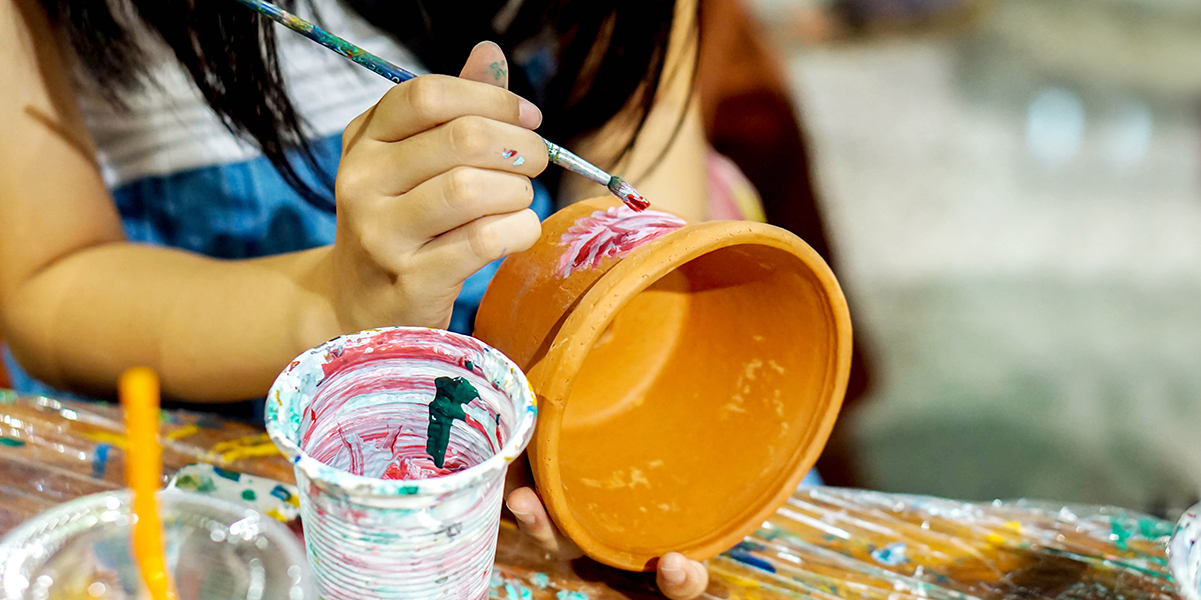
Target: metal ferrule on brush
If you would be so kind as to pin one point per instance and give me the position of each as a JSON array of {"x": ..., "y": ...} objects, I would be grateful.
[{"x": 568, "y": 160}]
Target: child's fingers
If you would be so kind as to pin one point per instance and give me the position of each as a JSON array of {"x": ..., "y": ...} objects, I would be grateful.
[
  {"x": 532, "y": 518},
  {"x": 456, "y": 254},
  {"x": 395, "y": 168},
  {"x": 680, "y": 578},
  {"x": 430, "y": 100},
  {"x": 487, "y": 64},
  {"x": 458, "y": 197}
]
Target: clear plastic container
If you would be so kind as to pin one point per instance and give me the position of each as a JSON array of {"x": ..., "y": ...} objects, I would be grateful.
[{"x": 216, "y": 550}]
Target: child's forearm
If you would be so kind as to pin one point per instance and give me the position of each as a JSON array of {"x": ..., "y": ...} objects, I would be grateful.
[{"x": 214, "y": 330}]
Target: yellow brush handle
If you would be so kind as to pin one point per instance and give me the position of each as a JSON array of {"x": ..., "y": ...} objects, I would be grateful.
[{"x": 139, "y": 389}]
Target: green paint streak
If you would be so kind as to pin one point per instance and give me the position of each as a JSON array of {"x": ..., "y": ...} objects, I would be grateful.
[
  {"x": 499, "y": 70},
  {"x": 11, "y": 442},
  {"x": 1119, "y": 534},
  {"x": 468, "y": 365},
  {"x": 1124, "y": 528},
  {"x": 380, "y": 538},
  {"x": 1154, "y": 528},
  {"x": 202, "y": 483},
  {"x": 249, "y": 495},
  {"x": 449, "y": 397}
]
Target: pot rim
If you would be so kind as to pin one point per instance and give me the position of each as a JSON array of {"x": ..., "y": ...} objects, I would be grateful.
[
  {"x": 596, "y": 309},
  {"x": 307, "y": 368}
]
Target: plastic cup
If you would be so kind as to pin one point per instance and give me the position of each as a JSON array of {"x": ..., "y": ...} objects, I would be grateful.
[
  {"x": 352, "y": 414},
  {"x": 216, "y": 550},
  {"x": 1184, "y": 554}
]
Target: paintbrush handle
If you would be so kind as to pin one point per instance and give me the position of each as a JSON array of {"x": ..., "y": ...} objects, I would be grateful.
[
  {"x": 557, "y": 154},
  {"x": 139, "y": 393},
  {"x": 331, "y": 41},
  {"x": 572, "y": 162}
]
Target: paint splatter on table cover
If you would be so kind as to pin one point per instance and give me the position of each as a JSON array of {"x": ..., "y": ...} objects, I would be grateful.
[{"x": 825, "y": 543}]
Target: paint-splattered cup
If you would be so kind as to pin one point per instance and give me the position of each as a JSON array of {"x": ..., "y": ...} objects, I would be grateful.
[
  {"x": 353, "y": 416},
  {"x": 1184, "y": 554}
]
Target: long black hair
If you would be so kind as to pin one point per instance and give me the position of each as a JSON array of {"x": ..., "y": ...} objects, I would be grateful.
[{"x": 581, "y": 61}]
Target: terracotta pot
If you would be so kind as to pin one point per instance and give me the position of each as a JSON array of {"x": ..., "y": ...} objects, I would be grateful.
[{"x": 688, "y": 375}]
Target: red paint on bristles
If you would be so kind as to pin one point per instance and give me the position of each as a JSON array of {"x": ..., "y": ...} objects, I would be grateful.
[
  {"x": 635, "y": 201},
  {"x": 628, "y": 194}
]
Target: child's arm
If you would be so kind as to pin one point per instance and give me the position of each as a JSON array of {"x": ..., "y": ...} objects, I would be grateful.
[
  {"x": 79, "y": 304},
  {"x": 679, "y": 183}
]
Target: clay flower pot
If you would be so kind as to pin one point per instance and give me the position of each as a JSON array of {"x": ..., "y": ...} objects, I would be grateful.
[{"x": 688, "y": 375}]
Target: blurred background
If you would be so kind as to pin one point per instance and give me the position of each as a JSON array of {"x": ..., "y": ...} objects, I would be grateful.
[{"x": 1012, "y": 193}]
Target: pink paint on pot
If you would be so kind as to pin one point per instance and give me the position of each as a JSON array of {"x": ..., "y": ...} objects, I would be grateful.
[{"x": 611, "y": 233}]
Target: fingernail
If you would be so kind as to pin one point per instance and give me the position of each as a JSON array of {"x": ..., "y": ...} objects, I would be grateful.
[
  {"x": 524, "y": 517},
  {"x": 528, "y": 115},
  {"x": 673, "y": 576}
]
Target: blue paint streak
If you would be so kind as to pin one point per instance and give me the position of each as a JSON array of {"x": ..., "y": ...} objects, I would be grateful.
[
  {"x": 282, "y": 493},
  {"x": 540, "y": 580},
  {"x": 227, "y": 474},
  {"x": 570, "y": 595},
  {"x": 890, "y": 555},
  {"x": 747, "y": 559},
  {"x": 100, "y": 460}
]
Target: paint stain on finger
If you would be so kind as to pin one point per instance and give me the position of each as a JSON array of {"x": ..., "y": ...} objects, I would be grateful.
[
  {"x": 499, "y": 69},
  {"x": 506, "y": 153}
]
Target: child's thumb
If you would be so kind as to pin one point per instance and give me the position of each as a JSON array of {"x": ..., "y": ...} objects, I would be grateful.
[{"x": 487, "y": 64}]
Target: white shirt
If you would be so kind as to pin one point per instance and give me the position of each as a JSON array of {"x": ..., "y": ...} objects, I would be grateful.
[{"x": 169, "y": 128}]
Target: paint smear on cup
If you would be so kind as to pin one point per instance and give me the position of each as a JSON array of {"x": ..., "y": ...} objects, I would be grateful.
[
  {"x": 392, "y": 438},
  {"x": 450, "y": 396}
]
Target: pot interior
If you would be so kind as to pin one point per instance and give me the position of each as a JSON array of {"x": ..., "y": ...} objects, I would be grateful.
[{"x": 700, "y": 401}]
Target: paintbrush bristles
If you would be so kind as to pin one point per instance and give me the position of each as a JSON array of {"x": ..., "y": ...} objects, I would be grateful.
[{"x": 622, "y": 189}]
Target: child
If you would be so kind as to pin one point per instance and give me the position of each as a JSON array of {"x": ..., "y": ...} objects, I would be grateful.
[{"x": 167, "y": 203}]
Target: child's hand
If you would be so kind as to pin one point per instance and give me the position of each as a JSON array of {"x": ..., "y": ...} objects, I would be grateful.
[
  {"x": 678, "y": 577},
  {"x": 434, "y": 183}
]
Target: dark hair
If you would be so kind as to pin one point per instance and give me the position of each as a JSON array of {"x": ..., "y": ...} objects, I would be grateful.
[{"x": 581, "y": 61}]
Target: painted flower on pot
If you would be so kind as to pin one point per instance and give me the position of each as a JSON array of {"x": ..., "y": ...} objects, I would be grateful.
[{"x": 611, "y": 233}]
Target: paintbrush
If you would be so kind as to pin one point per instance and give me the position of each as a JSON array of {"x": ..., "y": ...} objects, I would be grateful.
[
  {"x": 139, "y": 392},
  {"x": 558, "y": 155}
]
